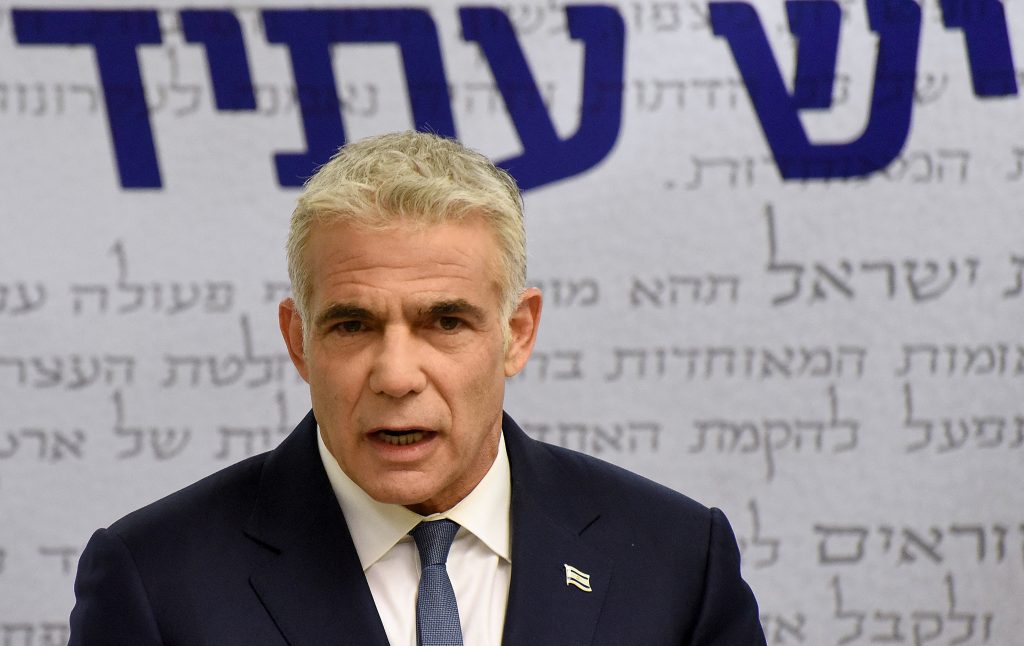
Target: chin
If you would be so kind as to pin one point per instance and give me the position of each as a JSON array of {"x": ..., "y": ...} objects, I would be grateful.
[{"x": 406, "y": 497}]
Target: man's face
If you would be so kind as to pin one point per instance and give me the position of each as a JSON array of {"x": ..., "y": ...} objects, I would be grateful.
[{"x": 405, "y": 357}]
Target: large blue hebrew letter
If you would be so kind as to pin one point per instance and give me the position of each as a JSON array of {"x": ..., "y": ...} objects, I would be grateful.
[
  {"x": 816, "y": 27},
  {"x": 547, "y": 158},
  {"x": 219, "y": 31},
  {"x": 898, "y": 25},
  {"x": 988, "y": 44},
  {"x": 114, "y": 35},
  {"x": 309, "y": 34}
]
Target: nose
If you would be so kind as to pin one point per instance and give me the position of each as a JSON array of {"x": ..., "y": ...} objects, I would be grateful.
[{"x": 397, "y": 369}]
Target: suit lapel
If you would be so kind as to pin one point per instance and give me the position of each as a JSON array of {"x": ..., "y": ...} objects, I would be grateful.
[
  {"x": 312, "y": 583},
  {"x": 547, "y": 534}
]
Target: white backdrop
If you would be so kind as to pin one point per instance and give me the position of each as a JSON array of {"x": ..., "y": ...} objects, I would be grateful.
[{"x": 834, "y": 360}]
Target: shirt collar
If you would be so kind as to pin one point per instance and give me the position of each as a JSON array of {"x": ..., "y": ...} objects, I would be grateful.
[{"x": 376, "y": 527}]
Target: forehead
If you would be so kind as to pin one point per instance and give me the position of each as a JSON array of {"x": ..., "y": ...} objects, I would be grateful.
[{"x": 348, "y": 259}]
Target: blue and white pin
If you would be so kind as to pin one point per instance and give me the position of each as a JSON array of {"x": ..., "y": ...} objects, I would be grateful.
[{"x": 577, "y": 578}]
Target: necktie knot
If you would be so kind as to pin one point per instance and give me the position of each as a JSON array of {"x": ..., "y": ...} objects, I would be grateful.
[{"x": 434, "y": 540}]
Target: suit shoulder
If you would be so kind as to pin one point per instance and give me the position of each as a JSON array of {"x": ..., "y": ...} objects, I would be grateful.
[
  {"x": 634, "y": 519},
  {"x": 605, "y": 481},
  {"x": 224, "y": 497}
]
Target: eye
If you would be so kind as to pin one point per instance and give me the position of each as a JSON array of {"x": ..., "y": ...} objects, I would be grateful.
[
  {"x": 350, "y": 327},
  {"x": 449, "y": 323}
]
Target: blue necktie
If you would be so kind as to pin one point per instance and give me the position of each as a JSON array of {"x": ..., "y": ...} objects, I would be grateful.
[{"x": 437, "y": 614}]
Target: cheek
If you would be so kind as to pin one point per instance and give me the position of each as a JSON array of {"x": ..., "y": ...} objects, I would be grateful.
[
  {"x": 334, "y": 367},
  {"x": 333, "y": 388},
  {"x": 483, "y": 389}
]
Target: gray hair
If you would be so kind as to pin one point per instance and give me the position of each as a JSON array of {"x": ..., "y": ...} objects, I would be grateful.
[{"x": 411, "y": 176}]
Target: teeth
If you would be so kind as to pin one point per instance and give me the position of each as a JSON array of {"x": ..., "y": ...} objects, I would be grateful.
[{"x": 401, "y": 438}]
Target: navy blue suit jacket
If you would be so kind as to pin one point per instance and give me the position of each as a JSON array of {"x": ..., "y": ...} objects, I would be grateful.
[{"x": 259, "y": 553}]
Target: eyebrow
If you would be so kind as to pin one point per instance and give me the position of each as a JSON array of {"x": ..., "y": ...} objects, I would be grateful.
[
  {"x": 453, "y": 307},
  {"x": 348, "y": 311}
]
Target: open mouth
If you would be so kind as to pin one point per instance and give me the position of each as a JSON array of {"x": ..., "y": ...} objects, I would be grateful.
[{"x": 401, "y": 437}]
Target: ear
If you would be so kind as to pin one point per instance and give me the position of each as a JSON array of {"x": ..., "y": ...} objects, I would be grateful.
[
  {"x": 291, "y": 329},
  {"x": 523, "y": 326}
]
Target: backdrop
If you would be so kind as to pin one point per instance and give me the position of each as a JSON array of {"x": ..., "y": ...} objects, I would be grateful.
[{"x": 781, "y": 247}]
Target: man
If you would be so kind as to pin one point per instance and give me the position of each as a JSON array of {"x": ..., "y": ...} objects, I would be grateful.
[{"x": 407, "y": 260}]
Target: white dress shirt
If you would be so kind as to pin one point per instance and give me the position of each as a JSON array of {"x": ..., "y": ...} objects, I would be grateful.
[{"x": 479, "y": 563}]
